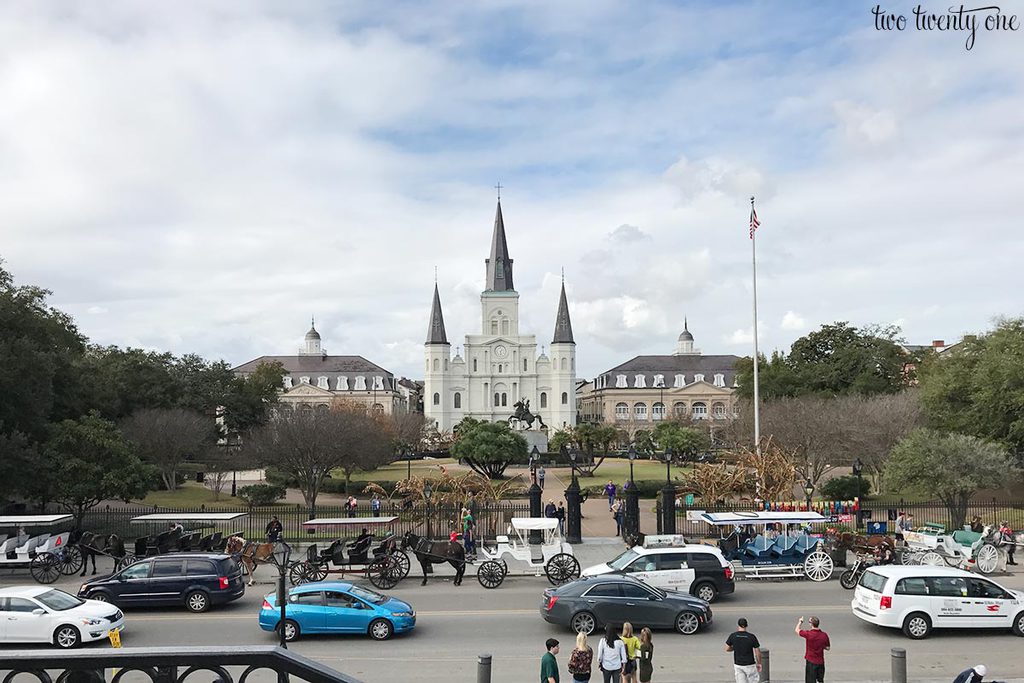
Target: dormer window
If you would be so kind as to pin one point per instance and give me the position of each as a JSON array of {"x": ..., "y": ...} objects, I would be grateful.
[
  {"x": 698, "y": 378},
  {"x": 303, "y": 380},
  {"x": 360, "y": 383},
  {"x": 719, "y": 380},
  {"x": 378, "y": 383},
  {"x": 680, "y": 381},
  {"x": 620, "y": 381},
  {"x": 287, "y": 381},
  {"x": 659, "y": 381},
  {"x": 343, "y": 383},
  {"x": 640, "y": 382},
  {"x": 321, "y": 383}
]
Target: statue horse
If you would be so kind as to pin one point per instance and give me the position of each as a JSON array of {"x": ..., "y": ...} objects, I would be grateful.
[
  {"x": 250, "y": 553},
  {"x": 523, "y": 414},
  {"x": 436, "y": 552}
]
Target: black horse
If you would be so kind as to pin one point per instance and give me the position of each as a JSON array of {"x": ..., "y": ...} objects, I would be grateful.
[{"x": 436, "y": 552}]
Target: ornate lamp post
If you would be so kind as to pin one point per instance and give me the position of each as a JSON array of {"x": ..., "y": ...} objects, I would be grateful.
[
  {"x": 573, "y": 503},
  {"x": 668, "y": 498},
  {"x": 534, "y": 457},
  {"x": 632, "y": 516},
  {"x": 858, "y": 467},
  {"x": 534, "y": 494},
  {"x": 809, "y": 490},
  {"x": 280, "y": 559},
  {"x": 428, "y": 490}
]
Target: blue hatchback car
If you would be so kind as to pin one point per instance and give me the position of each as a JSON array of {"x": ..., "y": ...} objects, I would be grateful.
[{"x": 337, "y": 607}]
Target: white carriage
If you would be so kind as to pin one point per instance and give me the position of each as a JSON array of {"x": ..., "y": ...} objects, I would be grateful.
[
  {"x": 46, "y": 555},
  {"x": 767, "y": 554},
  {"x": 963, "y": 549},
  {"x": 553, "y": 554}
]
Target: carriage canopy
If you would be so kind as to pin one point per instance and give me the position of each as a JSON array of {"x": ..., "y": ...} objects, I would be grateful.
[
  {"x": 189, "y": 517},
  {"x": 350, "y": 521},
  {"x": 34, "y": 520},
  {"x": 759, "y": 517},
  {"x": 534, "y": 523}
]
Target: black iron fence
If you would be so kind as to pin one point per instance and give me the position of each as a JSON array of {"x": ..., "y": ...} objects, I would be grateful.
[
  {"x": 168, "y": 665},
  {"x": 424, "y": 519}
]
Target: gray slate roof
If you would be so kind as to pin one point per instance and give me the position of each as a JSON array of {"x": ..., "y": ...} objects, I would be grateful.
[
  {"x": 435, "y": 329},
  {"x": 670, "y": 366},
  {"x": 563, "y": 326},
  {"x": 318, "y": 365},
  {"x": 499, "y": 265}
]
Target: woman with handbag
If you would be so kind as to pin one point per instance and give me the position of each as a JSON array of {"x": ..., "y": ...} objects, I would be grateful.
[
  {"x": 581, "y": 659},
  {"x": 611, "y": 656}
]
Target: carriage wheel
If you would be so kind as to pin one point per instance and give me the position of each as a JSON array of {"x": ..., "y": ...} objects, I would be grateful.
[
  {"x": 504, "y": 567},
  {"x": 818, "y": 566},
  {"x": 45, "y": 568},
  {"x": 932, "y": 558},
  {"x": 490, "y": 574},
  {"x": 561, "y": 568},
  {"x": 402, "y": 559},
  {"x": 297, "y": 573},
  {"x": 987, "y": 560},
  {"x": 906, "y": 557},
  {"x": 71, "y": 560},
  {"x": 125, "y": 561},
  {"x": 385, "y": 573}
]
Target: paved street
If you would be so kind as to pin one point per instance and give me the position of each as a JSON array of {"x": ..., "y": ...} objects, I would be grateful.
[{"x": 456, "y": 624}]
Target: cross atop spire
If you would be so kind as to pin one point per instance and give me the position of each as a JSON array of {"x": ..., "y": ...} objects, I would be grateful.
[
  {"x": 498, "y": 188},
  {"x": 499, "y": 265}
]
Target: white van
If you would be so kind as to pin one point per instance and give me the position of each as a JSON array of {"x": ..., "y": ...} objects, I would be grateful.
[{"x": 919, "y": 598}]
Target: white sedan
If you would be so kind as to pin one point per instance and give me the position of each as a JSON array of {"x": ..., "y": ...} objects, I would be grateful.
[{"x": 39, "y": 614}]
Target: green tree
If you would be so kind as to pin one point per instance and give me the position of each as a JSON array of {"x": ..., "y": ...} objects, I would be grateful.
[
  {"x": 89, "y": 461},
  {"x": 950, "y": 467},
  {"x": 643, "y": 442},
  {"x": 563, "y": 438},
  {"x": 681, "y": 439},
  {"x": 251, "y": 399},
  {"x": 488, "y": 447},
  {"x": 978, "y": 387},
  {"x": 836, "y": 360},
  {"x": 18, "y": 461}
]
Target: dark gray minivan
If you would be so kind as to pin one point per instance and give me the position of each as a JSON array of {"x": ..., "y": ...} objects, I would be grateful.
[{"x": 195, "y": 580}]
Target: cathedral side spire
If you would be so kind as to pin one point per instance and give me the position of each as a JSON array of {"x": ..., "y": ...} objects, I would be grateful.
[
  {"x": 563, "y": 326},
  {"x": 435, "y": 331},
  {"x": 499, "y": 265}
]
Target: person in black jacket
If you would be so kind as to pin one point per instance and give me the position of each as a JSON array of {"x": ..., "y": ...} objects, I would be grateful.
[
  {"x": 274, "y": 529},
  {"x": 972, "y": 675}
]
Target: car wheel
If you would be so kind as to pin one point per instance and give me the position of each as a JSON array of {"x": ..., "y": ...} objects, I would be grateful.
[
  {"x": 291, "y": 630},
  {"x": 687, "y": 623},
  {"x": 99, "y": 596},
  {"x": 917, "y": 626},
  {"x": 1018, "y": 625},
  {"x": 197, "y": 601},
  {"x": 706, "y": 591},
  {"x": 66, "y": 637},
  {"x": 381, "y": 629},
  {"x": 583, "y": 622}
]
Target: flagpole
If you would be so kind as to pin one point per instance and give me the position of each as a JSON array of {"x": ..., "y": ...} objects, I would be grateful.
[{"x": 757, "y": 395}]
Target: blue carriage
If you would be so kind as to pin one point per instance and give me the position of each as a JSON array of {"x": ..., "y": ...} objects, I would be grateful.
[{"x": 772, "y": 544}]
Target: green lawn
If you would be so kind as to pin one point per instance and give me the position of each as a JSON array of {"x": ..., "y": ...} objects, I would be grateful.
[
  {"x": 397, "y": 471},
  {"x": 617, "y": 469},
  {"x": 191, "y": 495}
]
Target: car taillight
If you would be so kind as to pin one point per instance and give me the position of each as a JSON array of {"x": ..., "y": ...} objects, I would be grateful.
[
  {"x": 728, "y": 573},
  {"x": 551, "y": 602},
  {"x": 885, "y": 602},
  {"x": 266, "y": 604},
  {"x": 222, "y": 582}
]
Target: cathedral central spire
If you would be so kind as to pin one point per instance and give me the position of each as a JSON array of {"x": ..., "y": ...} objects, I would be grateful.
[
  {"x": 499, "y": 265},
  {"x": 435, "y": 330}
]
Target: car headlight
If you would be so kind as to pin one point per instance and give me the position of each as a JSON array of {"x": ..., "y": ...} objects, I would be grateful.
[
  {"x": 91, "y": 622},
  {"x": 84, "y": 587},
  {"x": 403, "y": 614}
]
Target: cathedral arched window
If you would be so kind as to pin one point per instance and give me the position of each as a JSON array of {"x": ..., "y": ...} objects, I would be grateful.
[
  {"x": 565, "y": 398},
  {"x": 565, "y": 363},
  {"x": 446, "y": 365},
  {"x": 504, "y": 399},
  {"x": 543, "y": 399},
  {"x": 504, "y": 326},
  {"x": 497, "y": 399},
  {"x": 474, "y": 365},
  {"x": 524, "y": 365},
  {"x": 458, "y": 400},
  {"x": 499, "y": 368},
  {"x": 437, "y": 364},
  {"x": 494, "y": 327},
  {"x": 437, "y": 399}
]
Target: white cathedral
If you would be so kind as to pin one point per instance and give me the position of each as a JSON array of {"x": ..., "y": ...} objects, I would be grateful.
[{"x": 501, "y": 366}]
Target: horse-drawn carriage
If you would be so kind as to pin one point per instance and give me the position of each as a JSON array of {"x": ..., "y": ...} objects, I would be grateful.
[
  {"x": 377, "y": 558},
  {"x": 553, "y": 555},
  {"x": 758, "y": 550},
  {"x": 932, "y": 544},
  {"x": 193, "y": 531},
  {"x": 46, "y": 555}
]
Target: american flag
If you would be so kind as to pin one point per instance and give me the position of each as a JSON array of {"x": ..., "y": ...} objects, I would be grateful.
[{"x": 754, "y": 223}]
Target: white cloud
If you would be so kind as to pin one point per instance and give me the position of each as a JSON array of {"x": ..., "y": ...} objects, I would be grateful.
[{"x": 792, "y": 321}]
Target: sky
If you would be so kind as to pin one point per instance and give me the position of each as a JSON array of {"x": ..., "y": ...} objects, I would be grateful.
[{"x": 205, "y": 177}]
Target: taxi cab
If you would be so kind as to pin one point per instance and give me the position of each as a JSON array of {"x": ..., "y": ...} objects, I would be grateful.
[
  {"x": 669, "y": 563},
  {"x": 919, "y": 598}
]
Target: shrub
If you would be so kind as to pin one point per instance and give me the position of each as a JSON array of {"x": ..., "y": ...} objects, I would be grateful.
[
  {"x": 846, "y": 488},
  {"x": 261, "y": 494}
]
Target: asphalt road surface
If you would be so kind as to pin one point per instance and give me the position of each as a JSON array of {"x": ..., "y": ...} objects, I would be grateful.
[{"x": 455, "y": 624}]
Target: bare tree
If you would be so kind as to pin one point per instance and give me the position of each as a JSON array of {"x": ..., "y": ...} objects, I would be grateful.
[
  {"x": 877, "y": 424},
  {"x": 170, "y": 439},
  {"x": 714, "y": 482},
  {"x": 409, "y": 432}
]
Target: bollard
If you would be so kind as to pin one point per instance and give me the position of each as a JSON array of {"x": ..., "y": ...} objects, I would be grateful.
[
  {"x": 765, "y": 674},
  {"x": 899, "y": 665},
  {"x": 483, "y": 669}
]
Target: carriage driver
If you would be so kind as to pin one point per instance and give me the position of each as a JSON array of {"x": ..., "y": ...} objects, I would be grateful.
[
  {"x": 361, "y": 546},
  {"x": 274, "y": 529}
]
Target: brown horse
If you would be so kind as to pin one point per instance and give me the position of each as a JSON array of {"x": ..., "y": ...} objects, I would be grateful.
[
  {"x": 848, "y": 540},
  {"x": 436, "y": 552},
  {"x": 250, "y": 553}
]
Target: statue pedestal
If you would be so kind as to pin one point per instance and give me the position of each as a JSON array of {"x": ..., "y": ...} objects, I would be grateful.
[{"x": 538, "y": 438}]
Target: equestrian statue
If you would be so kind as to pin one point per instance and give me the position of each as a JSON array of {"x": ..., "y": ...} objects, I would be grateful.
[{"x": 524, "y": 416}]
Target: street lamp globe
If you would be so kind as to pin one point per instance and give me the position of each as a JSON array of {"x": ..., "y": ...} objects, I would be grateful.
[
  {"x": 428, "y": 490},
  {"x": 809, "y": 490}
]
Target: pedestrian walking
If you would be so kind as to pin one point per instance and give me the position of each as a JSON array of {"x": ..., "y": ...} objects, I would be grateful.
[
  {"x": 1006, "y": 536},
  {"x": 972, "y": 675},
  {"x": 560, "y": 516},
  {"x": 540, "y": 477},
  {"x": 581, "y": 660},
  {"x": 617, "y": 515},
  {"x": 746, "y": 653},
  {"x": 611, "y": 655},
  {"x": 351, "y": 504},
  {"x": 814, "y": 652},
  {"x": 609, "y": 490},
  {"x": 646, "y": 661},
  {"x": 375, "y": 505},
  {"x": 550, "y": 511},
  {"x": 548, "y": 664},
  {"x": 632, "y": 644},
  {"x": 469, "y": 533}
]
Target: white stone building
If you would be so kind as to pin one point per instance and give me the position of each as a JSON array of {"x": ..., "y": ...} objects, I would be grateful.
[{"x": 501, "y": 366}]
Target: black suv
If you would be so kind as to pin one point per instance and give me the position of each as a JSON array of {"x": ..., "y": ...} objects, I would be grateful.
[{"x": 196, "y": 580}]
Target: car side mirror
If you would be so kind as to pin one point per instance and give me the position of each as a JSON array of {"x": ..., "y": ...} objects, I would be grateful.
[
  {"x": 39, "y": 611},
  {"x": 652, "y": 597}
]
